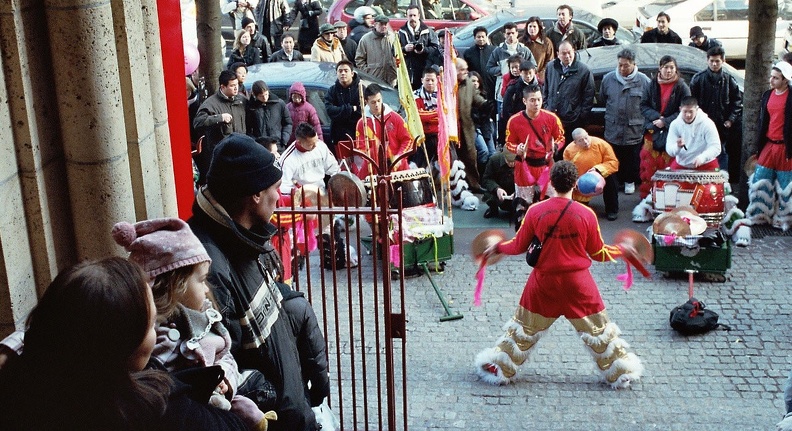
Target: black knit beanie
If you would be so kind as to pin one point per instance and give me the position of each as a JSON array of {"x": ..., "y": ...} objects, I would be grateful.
[{"x": 241, "y": 167}]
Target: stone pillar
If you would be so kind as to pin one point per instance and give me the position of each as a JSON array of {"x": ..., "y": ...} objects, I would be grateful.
[
  {"x": 133, "y": 65},
  {"x": 36, "y": 137},
  {"x": 89, "y": 99},
  {"x": 17, "y": 286},
  {"x": 160, "y": 108}
]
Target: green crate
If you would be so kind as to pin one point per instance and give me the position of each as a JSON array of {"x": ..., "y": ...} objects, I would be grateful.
[
  {"x": 423, "y": 251},
  {"x": 703, "y": 259}
]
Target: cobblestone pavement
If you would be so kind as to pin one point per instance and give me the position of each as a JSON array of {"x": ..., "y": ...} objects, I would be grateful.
[{"x": 718, "y": 381}]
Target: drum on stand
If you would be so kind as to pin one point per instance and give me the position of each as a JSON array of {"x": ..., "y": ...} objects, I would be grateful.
[
  {"x": 702, "y": 190},
  {"x": 415, "y": 187}
]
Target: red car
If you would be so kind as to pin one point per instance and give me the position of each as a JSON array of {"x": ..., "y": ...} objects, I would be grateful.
[{"x": 455, "y": 13}]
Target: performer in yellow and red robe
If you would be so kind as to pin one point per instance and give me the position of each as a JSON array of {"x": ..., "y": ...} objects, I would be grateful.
[{"x": 560, "y": 285}]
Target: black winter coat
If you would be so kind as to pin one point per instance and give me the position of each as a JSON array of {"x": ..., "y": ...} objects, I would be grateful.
[
  {"x": 718, "y": 95},
  {"x": 417, "y": 62},
  {"x": 650, "y": 106},
  {"x": 244, "y": 267},
  {"x": 477, "y": 57},
  {"x": 251, "y": 56},
  {"x": 764, "y": 124},
  {"x": 269, "y": 119},
  {"x": 569, "y": 95},
  {"x": 309, "y": 11},
  {"x": 343, "y": 108}
]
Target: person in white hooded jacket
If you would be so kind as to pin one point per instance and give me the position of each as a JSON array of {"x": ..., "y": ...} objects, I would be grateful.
[{"x": 693, "y": 139}]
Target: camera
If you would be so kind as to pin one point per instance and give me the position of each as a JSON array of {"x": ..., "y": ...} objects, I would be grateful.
[{"x": 418, "y": 46}]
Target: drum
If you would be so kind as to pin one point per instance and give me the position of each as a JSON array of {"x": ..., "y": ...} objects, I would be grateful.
[
  {"x": 414, "y": 186},
  {"x": 702, "y": 190},
  {"x": 346, "y": 190}
]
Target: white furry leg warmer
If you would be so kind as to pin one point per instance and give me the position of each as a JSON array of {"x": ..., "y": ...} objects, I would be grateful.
[
  {"x": 498, "y": 365},
  {"x": 643, "y": 211},
  {"x": 617, "y": 366}
]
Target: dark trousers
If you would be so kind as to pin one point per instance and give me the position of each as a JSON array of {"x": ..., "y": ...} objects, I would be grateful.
[
  {"x": 629, "y": 162},
  {"x": 610, "y": 194},
  {"x": 492, "y": 201}
]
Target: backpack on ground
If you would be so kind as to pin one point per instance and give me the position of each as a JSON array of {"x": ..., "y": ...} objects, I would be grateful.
[{"x": 693, "y": 318}]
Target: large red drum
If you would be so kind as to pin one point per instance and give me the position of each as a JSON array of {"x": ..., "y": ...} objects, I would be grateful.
[{"x": 702, "y": 190}]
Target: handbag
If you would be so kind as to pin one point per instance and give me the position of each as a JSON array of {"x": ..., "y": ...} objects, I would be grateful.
[
  {"x": 535, "y": 247},
  {"x": 693, "y": 318},
  {"x": 659, "y": 138}
]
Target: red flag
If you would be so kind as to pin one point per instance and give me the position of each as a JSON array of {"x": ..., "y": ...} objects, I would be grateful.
[{"x": 448, "y": 126}]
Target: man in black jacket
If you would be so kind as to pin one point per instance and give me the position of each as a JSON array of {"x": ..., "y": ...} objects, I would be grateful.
[
  {"x": 419, "y": 44},
  {"x": 273, "y": 329},
  {"x": 569, "y": 89},
  {"x": 220, "y": 115},
  {"x": 477, "y": 57},
  {"x": 267, "y": 115},
  {"x": 343, "y": 104},
  {"x": 720, "y": 97},
  {"x": 662, "y": 33}
]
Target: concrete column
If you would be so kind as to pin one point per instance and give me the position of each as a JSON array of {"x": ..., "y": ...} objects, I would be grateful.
[
  {"x": 34, "y": 125},
  {"x": 159, "y": 107},
  {"x": 17, "y": 285},
  {"x": 89, "y": 99},
  {"x": 138, "y": 112}
]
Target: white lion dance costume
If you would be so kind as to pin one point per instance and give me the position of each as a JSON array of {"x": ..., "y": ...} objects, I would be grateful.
[{"x": 561, "y": 285}]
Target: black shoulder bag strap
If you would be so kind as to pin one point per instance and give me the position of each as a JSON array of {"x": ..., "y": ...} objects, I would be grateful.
[
  {"x": 550, "y": 232},
  {"x": 530, "y": 123}
]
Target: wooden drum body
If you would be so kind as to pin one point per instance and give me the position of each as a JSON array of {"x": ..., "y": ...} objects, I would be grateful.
[{"x": 702, "y": 190}]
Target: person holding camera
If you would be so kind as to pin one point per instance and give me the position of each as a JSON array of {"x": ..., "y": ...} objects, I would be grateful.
[{"x": 419, "y": 43}]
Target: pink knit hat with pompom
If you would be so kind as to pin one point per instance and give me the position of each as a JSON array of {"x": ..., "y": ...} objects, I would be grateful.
[{"x": 160, "y": 245}]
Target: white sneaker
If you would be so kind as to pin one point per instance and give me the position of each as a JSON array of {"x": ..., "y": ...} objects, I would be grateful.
[{"x": 629, "y": 188}]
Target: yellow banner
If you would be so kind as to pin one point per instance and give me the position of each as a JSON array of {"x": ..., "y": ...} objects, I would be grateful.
[{"x": 406, "y": 97}]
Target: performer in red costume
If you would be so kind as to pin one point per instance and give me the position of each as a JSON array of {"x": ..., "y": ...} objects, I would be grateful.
[
  {"x": 368, "y": 134},
  {"x": 560, "y": 285},
  {"x": 534, "y": 134}
]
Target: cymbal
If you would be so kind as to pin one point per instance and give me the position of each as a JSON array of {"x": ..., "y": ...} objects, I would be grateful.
[
  {"x": 635, "y": 242},
  {"x": 697, "y": 224},
  {"x": 485, "y": 240},
  {"x": 671, "y": 224},
  {"x": 685, "y": 209}
]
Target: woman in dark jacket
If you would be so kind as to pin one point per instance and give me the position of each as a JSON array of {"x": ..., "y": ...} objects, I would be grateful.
[
  {"x": 309, "y": 11},
  {"x": 244, "y": 51},
  {"x": 659, "y": 106},
  {"x": 267, "y": 116},
  {"x": 86, "y": 369}
]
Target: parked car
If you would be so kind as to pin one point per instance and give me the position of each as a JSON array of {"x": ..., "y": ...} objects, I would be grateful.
[
  {"x": 317, "y": 78},
  {"x": 584, "y": 20},
  {"x": 725, "y": 20},
  {"x": 455, "y": 12},
  {"x": 623, "y": 11},
  {"x": 647, "y": 58}
]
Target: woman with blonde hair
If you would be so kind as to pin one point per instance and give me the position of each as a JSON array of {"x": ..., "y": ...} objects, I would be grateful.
[{"x": 244, "y": 51}]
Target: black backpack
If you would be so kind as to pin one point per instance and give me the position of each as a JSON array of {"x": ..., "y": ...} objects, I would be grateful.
[{"x": 693, "y": 318}]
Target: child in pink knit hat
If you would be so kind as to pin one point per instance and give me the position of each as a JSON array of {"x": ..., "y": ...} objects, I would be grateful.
[{"x": 189, "y": 331}]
